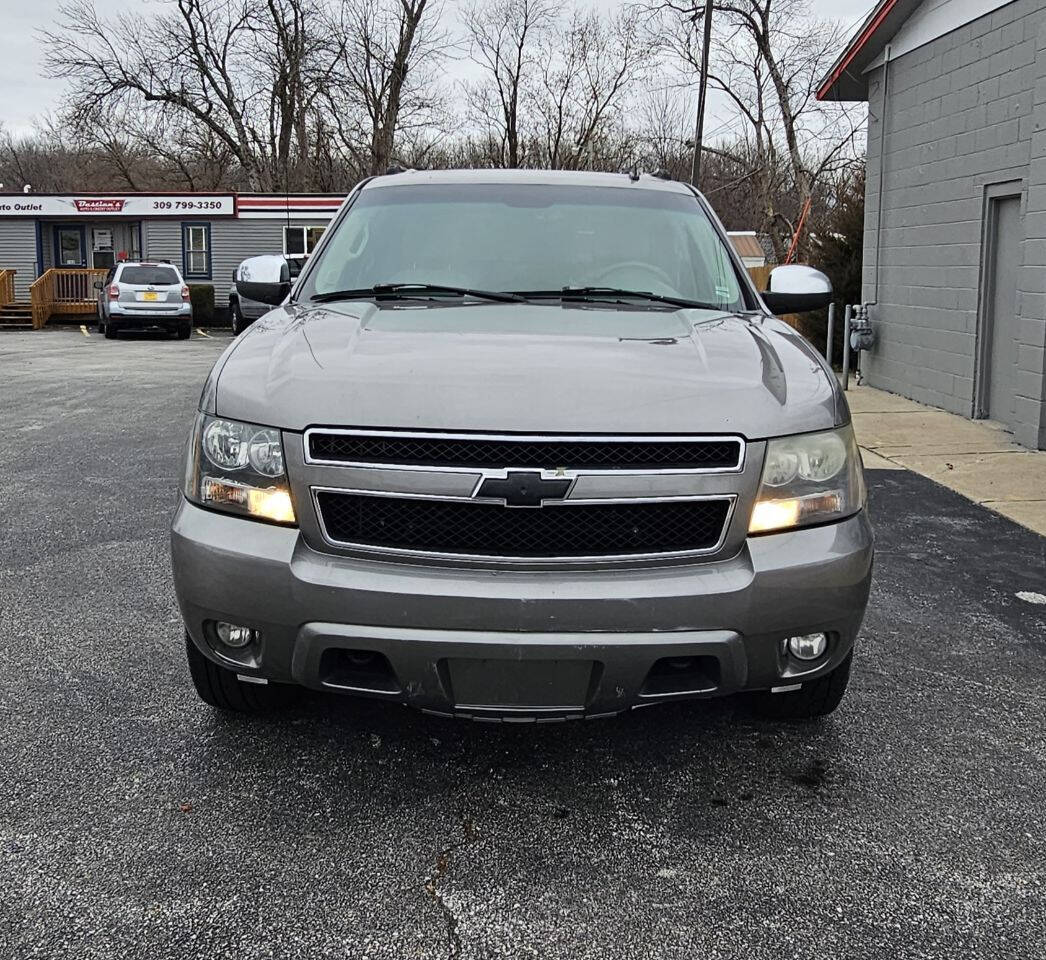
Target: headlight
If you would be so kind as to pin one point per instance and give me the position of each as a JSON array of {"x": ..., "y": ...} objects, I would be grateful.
[
  {"x": 810, "y": 478},
  {"x": 238, "y": 468}
]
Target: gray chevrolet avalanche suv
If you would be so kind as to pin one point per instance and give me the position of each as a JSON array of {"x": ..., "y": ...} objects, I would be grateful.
[{"x": 523, "y": 446}]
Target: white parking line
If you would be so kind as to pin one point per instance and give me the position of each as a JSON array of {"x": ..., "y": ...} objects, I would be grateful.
[
  {"x": 84, "y": 330},
  {"x": 202, "y": 334}
]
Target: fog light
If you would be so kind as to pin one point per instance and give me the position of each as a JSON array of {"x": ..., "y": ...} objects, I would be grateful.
[
  {"x": 234, "y": 636},
  {"x": 811, "y": 646}
]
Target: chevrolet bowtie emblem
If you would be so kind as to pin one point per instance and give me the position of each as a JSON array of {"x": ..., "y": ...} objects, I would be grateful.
[{"x": 523, "y": 489}]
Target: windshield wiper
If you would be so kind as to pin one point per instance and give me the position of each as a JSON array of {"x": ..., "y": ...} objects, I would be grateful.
[
  {"x": 617, "y": 295},
  {"x": 389, "y": 291}
]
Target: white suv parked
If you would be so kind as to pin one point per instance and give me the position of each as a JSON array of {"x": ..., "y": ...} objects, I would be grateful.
[{"x": 144, "y": 297}]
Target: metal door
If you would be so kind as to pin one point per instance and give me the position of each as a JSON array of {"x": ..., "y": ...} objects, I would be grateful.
[{"x": 998, "y": 351}]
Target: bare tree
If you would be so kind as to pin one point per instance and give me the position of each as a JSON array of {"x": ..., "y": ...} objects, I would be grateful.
[
  {"x": 791, "y": 52},
  {"x": 504, "y": 39},
  {"x": 246, "y": 73},
  {"x": 740, "y": 74},
  {"x": 314, "y": 94},
  {"x": 664, "y": 124},
  {"x": 46, "y": 160},
  {"x": 385, "y": 84},
  {"x": 588, "y": 67},
  {"x": 766, "y": 60},
  {"x": 297, "y": 54},
  {"x": 149, "y": 150}
]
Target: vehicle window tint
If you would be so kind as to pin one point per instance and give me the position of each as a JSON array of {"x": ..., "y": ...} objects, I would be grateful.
[
  {"x": 530, "y": 237},
  {"x": 156, "y": 276}
]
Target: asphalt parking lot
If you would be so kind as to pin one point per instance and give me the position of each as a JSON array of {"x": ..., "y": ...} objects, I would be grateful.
[{"x": 136, "y": 822}]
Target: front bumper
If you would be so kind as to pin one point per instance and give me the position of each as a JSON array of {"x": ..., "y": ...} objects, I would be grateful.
[{"x": 436, "y": 627}]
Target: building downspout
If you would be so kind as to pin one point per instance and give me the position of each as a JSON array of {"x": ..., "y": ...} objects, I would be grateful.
[
  {"x": 882, "y": 173},
  {"x": 858, "y": 335}
]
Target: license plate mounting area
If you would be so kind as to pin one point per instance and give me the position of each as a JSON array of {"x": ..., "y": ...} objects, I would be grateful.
[{"x": 524, "y": 686}]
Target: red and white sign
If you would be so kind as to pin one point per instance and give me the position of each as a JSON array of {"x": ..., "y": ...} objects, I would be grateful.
[
  {"x": 100, "y": 205},
  {"x": 85, "y": 206}
]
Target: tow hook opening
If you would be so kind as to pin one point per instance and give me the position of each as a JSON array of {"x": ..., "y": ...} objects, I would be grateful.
[
  {"x": 365, "y": 671},
  {"x": 676, "y": 676}
]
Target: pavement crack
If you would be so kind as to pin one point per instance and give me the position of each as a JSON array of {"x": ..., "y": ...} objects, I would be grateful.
[{"x": 434, "y": 884}]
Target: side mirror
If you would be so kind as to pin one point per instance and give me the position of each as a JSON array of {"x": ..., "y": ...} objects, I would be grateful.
[
  {"x": 797, "y": 289},
  {"x": 98, "y": 285},
  {"x": 264, "y": 279}
]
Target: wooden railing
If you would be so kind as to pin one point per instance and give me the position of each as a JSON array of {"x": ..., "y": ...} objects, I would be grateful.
[
  {"x": 7, "y": 287},
  {"x": 64, "y": 290}
]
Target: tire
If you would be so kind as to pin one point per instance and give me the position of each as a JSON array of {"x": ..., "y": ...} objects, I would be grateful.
[
  {"x": 109, "y": 330},
  {"x": 185, "y": 331},
  {"x": 221, "y": 688},
  {"x": 236, "y": 318},
  {"x": 817, "y": 698}
]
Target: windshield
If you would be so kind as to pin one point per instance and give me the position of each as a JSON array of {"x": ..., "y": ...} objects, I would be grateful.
[
  {"x": 526, "y": 238},
  {"x": 155, "y": 276}
]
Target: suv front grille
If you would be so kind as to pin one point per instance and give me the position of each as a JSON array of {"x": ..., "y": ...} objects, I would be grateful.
[
  {"x": 612, "y": 453},
  {"x": 563, "y": 531}
]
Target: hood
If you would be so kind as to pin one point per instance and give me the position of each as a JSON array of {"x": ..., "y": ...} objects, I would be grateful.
[{"x": 531, "y": 368}]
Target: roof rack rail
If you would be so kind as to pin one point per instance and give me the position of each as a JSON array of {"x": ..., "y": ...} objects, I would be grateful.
[
  {"x": 394, "y": 169},
  {"x": 662, "y": 174}
]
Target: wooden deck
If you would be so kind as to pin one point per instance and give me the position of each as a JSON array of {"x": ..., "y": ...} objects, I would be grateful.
[{"x": 64, "y": 291}]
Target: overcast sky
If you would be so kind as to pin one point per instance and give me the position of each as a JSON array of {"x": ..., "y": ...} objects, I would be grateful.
[{"x": 26, "y": 94}]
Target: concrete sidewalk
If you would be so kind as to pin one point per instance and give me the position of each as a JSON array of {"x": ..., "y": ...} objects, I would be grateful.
[{"x": 977, "y": 458}]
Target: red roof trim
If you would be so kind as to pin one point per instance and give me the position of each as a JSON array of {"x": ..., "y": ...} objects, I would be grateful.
[
  {"x": 855, "y": 47},
  {"x": 303, "y": 207},
  {"x": 336, "y": 198},
  {"x": 246, "y": 202},
  {"x": 118, "y": 193}
]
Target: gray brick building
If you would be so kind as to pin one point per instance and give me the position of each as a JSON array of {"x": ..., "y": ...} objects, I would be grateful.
[{"x": 955, "y": 221}]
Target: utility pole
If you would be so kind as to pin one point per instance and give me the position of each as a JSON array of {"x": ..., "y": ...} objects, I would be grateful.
[{"x": 702, "y": 93}]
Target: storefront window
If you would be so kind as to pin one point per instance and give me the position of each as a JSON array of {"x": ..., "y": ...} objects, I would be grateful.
[
  {"x": 301, "y": 241},
  {"x": 70, "y": 246},
  {"x": 196, "y": 249}
]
